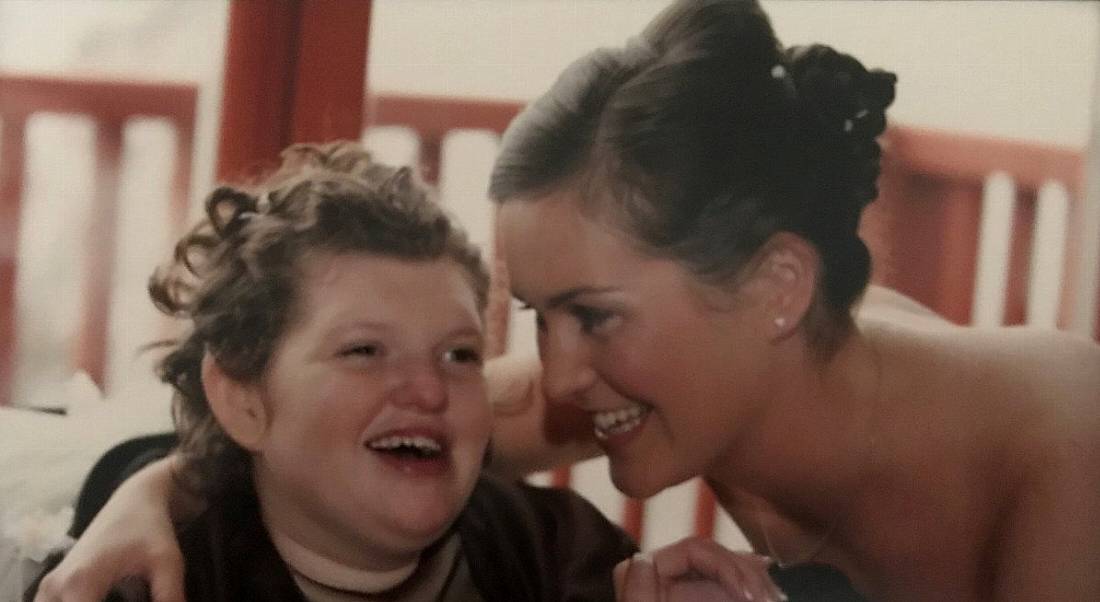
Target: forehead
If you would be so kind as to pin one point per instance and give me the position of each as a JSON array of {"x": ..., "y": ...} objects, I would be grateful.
[
  {"x": 551, "y": 245},
  {"x": 374, "y": 287}
]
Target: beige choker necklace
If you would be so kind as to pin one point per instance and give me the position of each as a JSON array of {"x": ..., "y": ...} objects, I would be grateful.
[{"x": 332, "y": 574}]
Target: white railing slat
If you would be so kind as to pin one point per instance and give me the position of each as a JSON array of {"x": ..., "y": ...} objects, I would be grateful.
[
  {"x": 1048, "y": 249},
  {"x": 994, "y": 243}
]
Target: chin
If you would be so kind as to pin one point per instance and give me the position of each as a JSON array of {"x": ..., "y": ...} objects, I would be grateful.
[
  {"x": 635, "y": 483},
  {"x": 426, "y": 521},
  {"x": 639, "y": 479}
]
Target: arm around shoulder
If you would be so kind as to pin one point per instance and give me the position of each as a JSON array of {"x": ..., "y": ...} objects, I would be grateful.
[
  {"x": 530, "y": 434},
  {"x": 131, "y": 536}
]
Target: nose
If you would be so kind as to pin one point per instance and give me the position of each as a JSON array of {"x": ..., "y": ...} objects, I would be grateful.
[
  {"x": 566, "y": 365},
  {"x": 422, "y": 387}
]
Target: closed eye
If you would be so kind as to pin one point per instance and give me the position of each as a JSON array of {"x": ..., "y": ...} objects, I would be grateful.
[
  {"x": 365, "y": 350},
  {"x": 590, "y": 318}
]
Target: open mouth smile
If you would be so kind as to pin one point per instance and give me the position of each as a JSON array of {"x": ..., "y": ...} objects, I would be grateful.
[
  {"x": 413, "y": 452},
  {"x": 415, "y": 447},
  {"x": 617, "y": 422}
]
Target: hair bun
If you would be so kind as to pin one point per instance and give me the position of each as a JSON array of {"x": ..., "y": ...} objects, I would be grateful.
[
  {"x": 844, "y": 107},
  {"x": 229, "y": 209}
]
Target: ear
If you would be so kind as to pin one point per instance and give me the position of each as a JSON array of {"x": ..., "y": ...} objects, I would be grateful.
[
  {"x": 238, "y": 406},
  {"x": 787, "y": 273}
]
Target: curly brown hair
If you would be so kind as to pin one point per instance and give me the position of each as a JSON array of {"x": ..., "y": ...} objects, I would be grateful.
[{"x": 234, "y": 277}]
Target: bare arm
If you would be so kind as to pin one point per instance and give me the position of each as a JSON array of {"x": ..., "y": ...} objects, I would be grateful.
[
  {"x": 529, "y": 434},
  {"x": 132, "y": 536}
]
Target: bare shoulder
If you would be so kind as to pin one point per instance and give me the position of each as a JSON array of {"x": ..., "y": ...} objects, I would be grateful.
[
  {"x": 1046, "y": 382},
  {"x": 1053, "y": 362},
  {"x": 1062, "y": 367},
  {"x": 1008, "y": 421},
  {"x": 1052, "y": 377},
  {"x": 1056, "y": 516}
]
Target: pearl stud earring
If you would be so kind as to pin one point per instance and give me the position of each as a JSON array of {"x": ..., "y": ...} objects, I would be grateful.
[{"x": 780, "y": 322}]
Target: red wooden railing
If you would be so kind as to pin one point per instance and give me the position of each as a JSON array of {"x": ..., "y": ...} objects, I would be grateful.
[
  {"x": 924, "y": 225},
  {"x": 110, "y": 105}
]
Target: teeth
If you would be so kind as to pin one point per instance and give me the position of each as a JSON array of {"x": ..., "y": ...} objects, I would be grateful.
[
  {"x": 615, "y": 422},
  {"x": 423, "y": 444}
]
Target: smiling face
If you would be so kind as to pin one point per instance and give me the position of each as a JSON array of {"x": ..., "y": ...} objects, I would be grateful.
[
  {"x": 377, "y": 419},
  {"x": 671, "y": 370}
]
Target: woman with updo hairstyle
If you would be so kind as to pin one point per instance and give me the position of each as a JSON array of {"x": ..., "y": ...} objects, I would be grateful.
[
  {"x": 702, "y": 138},
  {"x": 681, "y": 214}
]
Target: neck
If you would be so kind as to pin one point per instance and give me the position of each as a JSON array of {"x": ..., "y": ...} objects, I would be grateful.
[
  {"x": 331, "y": 574},
  {"x": 320, "y": 550},
  {"x": 811, "y": 452}
]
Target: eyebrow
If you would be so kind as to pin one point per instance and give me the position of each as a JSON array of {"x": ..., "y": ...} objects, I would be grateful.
[
  {"x": 341, "y": 328},
  {"x": 466, "y": 331},
  {"x": 571, "y": 294},
  {"x": 461, "y": 331}
]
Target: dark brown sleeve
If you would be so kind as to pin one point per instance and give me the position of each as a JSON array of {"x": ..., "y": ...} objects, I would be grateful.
[{"x": 533, "y": 543}]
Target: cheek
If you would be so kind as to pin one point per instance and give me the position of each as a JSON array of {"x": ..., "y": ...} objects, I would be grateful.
[
  {"x": 640, "y": 372},
  {"x": 324, "y": 413},
  {"x": 472, "y": 413},
  {"x": 647, "y": 359},
  {"x": 680, "y": 365}
]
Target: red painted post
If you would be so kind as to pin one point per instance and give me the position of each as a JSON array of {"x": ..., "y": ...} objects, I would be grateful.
[
  {"x": 633, "y": 520},
  {"x": 331, "y": 70},
  {"x": 957, "y": 257},
  {"x": 295, "y": 72},
  {"x": 705, "y": 511},
  {"x": 431, "y": 155},
  {"x": 180, "y": 194},
  {"x": 562, "y": 477},
  {"x": 258, "y": 86},
  {"x": 12, "y": 158}
]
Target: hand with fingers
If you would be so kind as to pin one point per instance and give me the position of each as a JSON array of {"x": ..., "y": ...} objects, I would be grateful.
[
  {"x": 129, "y": 548},
  {"x": 696, "y": 569}
]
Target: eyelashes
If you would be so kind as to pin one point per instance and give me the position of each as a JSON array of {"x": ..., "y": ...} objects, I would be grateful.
[
  {"x": 591, "y": 319},
  {"x": 459, "y": 355},
  {"x": 365, "y": 350}
]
